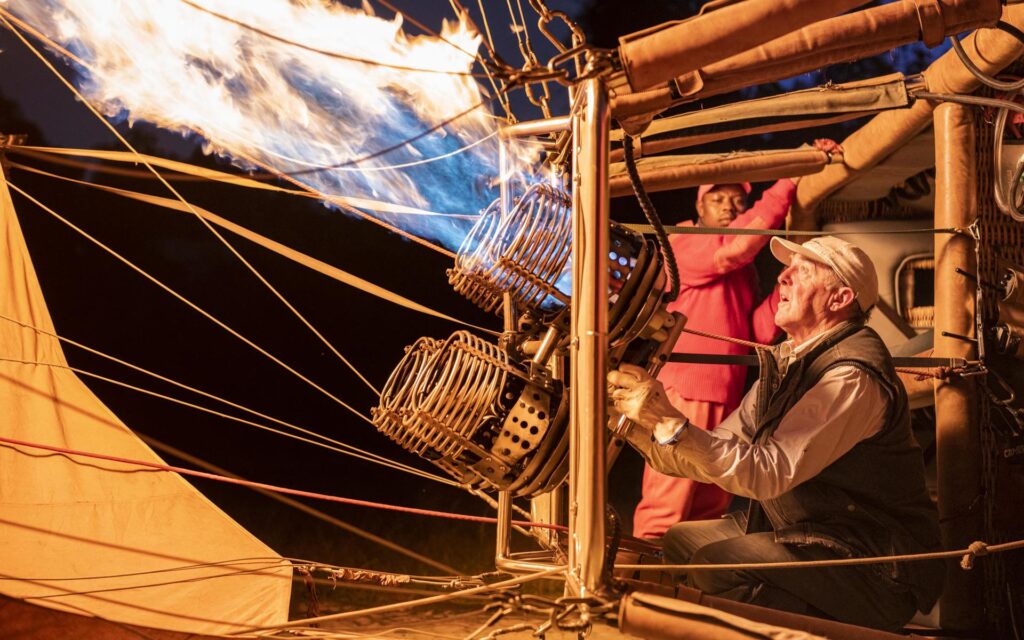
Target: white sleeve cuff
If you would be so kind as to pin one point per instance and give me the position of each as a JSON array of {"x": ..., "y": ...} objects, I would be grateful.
[{"x": 675, "y": 435}]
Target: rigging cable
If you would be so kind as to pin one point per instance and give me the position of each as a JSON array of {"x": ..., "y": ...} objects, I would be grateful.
[
  {"x": 324, "y": 52},
  {"x": 445, "y": 580},
  {"x": 389, "y": 167},
  {"x": 966, "y": 555},
  {"x": 270, "y": 172},
  {"x": 429, "y": 31},
  {"x": 741, "y": 231},
  {"x": 67, "y": 593},
  {"x": 522, "y": 33},
  {"x": 493, "y": 53},
  {"x": 195, "y": 173},
  {"x": 299, "y": 506},
  {"x": 331, "y": 445},
  {"x": 306, "y": 261},
  {"x": 279, "y": 560},
  {"x": 145, "y": 465},
  {"x": 353, "y": 210},
  {"x": 497, "y": 586},
  {"x": 202, "y": 221},
  {"x": 191, "y": 304},
  {"x": 160, "y": 467}
]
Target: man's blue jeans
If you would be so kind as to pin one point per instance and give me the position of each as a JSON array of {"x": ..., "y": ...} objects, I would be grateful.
[{"x": 856, "y": 594}]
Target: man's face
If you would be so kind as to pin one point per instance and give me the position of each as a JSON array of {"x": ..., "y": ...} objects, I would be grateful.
[
  {"x": 721, "y": 205},
  {"x": 806, "y": 289}
]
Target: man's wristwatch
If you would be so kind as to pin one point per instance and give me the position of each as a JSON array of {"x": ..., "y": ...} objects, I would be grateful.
[{"x": 676, "y": 435}]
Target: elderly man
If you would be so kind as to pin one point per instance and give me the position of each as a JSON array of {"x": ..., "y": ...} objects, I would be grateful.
[{"x": 822, "y": 446}]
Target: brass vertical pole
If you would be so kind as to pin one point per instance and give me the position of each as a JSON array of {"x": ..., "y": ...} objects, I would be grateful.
[
  {"x": 958, "y": 446},
  {"x": 587, "y": 413}
]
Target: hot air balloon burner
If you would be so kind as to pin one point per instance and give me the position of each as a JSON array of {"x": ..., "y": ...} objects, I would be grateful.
[{"x": 467, "y": 407}]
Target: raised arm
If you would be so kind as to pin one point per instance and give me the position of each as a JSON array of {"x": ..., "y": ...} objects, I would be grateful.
[
  {"x": 767, "y": 213},
  {"x": 705, "y": 258}
]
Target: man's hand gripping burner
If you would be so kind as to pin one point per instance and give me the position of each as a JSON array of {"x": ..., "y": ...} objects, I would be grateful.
[{"x": 642, "y": 399}]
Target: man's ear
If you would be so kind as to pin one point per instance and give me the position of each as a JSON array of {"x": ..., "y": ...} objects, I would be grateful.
[{"x": 842, "y": 298}]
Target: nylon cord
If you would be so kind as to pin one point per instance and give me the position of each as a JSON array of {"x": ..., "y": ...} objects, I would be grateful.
[
  {"x": 295, "y": 256},
  {"x": 330, "y": 444},
  {"x": 299, "y": 506},
  {"x": 330, "y": 54},
  {"x": 202, "y": 221},
  {"x": 270, "y": 172},
  {"x": 142, "y": 464},
  {"x": 190, "y": 304}
]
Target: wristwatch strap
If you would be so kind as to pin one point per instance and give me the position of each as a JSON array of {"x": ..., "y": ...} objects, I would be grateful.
[{"x": 674, "y": 438}]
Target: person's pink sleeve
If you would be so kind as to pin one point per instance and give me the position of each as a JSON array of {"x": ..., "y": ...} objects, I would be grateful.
[
  {"x": 704, "y": 258},
  {"x": 762, "y": 322},
  {"x": 767, "y": 213}
]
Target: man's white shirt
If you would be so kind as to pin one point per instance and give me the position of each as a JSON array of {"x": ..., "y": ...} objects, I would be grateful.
[{"x": 845, "y": 407}]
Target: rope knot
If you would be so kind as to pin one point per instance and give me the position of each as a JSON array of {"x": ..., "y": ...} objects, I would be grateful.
[{"x": 975, "y": 550}]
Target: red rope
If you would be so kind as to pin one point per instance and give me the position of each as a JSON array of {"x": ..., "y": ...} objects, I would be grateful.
[
  {"x": 713, "y": 336},
  {"x": 274, "y": 488}
]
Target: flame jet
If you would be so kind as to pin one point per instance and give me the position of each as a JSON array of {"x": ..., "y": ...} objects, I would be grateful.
[{"x": 278, "y": 83}]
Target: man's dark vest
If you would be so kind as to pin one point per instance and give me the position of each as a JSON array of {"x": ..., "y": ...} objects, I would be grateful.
[{"x": 870, "y": 502}]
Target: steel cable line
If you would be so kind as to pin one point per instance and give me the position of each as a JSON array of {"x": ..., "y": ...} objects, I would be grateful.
[
  {"x": 300, "y": 258},
  {"x": 202, "y": 221},
  {"x": 189, "y": 303},
  {"x": 324, "y": 52},
  {"x": 315, "y": 166},
  {"x": 497, "y": 586},
  {"x": 56, "y": 155},
  {"x": 386, "y": 150},
  {"x": 350, "y": 209},
  {"x": 52, "y": 157},
  {"x": 966, "y": 555},
  {"x": 389, "y": 167},
  {"x": 499, "y": 93},
  {"x": 302, "y": 507},
  {"x": 343, "y": 203},
  {"x": 519, "y": 26},
  {"x": 330, "y": 444},
  {"x": 68, "y": 593},
  {"x": 472, "y": 54},
  {"x": 278, "y": 560},
  {"x": 146, "y": 466},
  {"x": 270, "y": 172},
  {"x": 489, "y": 44}
]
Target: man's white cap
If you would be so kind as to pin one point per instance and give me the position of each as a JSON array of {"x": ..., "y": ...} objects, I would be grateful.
[{"x": 849, "y": 262}]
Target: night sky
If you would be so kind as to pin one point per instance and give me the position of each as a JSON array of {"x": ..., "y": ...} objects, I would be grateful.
[{"x": 96, "y": 300}]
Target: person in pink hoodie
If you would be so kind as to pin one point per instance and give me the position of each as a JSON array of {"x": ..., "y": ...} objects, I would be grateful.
[{"x": 718, "y": 294}]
